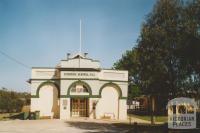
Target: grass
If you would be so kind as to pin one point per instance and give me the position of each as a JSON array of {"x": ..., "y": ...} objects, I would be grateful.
[
  {"x": 148, "y": 118},
  {"x": 6, "y": 116}
]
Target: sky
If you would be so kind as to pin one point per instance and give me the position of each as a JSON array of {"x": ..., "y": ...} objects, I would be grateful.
[{"x": 39, "y": 33}]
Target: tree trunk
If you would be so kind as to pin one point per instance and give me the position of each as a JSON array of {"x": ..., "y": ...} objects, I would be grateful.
[{"x": 152, "y": 98}]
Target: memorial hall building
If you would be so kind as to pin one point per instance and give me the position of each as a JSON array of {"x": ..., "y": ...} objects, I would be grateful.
[{"x": 79, "y": 87}]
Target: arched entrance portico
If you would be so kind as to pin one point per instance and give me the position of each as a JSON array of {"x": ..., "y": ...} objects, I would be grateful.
[
  {"x": 48, "y": 101},
  {"x": 79, "y": 93},
  {"x": 108, "y": 104}
]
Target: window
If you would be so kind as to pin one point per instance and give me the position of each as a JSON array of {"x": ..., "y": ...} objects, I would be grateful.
[
  {"x": 79, "y": 89},
  {"x": 73, "y": 89},
  {"x": 85, "y": 88},
  {"x": 181, "y": 109},
  {"x": 174, "y": 109},
  {"x": 190, "y": 109}
]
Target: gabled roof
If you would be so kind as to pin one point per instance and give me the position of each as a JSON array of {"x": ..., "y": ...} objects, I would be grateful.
[
  {"x": 79, "y": 60},
  {"x": 78, "y": 56}
]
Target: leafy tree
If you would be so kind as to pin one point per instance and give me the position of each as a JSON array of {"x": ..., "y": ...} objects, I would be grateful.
[
  {"x": 11, "y": 101},
  {"x": 129, "y": 62},
  {"x": 166, "y": 61}
]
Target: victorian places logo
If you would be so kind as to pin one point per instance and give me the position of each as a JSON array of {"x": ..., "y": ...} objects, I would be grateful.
[{"x": 182, "y": 113}]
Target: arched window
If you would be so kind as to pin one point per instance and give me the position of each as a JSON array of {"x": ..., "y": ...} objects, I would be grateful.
[{"x": 79, "y": 88}]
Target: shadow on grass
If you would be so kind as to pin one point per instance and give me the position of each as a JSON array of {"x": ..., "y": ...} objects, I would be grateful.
[
  {"x": 19, "y": 116},
  {"x": 92, "y": 127}
]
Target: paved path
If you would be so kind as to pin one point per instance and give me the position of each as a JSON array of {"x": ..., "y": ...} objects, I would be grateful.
[
  {"x": 71, "y": 126},
  {"x": 79, "y": 126},
  {"x": 134, "y": 119},
  {"x": 60, "y": 126}
]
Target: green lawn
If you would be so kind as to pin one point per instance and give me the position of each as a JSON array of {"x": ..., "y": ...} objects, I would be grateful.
[
  {"x": 6, "y": 116},
  {"x": 148, "y": 118}
]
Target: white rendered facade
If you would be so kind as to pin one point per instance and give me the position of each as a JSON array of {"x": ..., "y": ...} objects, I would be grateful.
[{"x": 78, "y": 87}]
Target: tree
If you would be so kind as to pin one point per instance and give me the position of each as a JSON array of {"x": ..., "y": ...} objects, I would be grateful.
[
  {"x": 166, "y": 60},
  {"x": 129, "y": 62},
  {"x": 11, "y": 101},
  {"x": 168, "y": 40}
]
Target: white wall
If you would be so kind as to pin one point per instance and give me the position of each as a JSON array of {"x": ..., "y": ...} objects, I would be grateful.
[
  {"x": 108, "y": 103},
  {"x": 47, "y": 103},
  {"x": 113, "y": 75},
  {"x": 44, "y": 73},
  {"x": 122, "y": 109},
  {"x": 92, "y": 113},
  {"x": 64, "y": 108}
]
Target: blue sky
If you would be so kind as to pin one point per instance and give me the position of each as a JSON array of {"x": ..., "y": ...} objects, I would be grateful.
[{"x": 41, "y": 32}]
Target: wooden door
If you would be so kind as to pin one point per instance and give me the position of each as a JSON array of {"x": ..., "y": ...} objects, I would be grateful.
[{"x": 79, "y": 107}]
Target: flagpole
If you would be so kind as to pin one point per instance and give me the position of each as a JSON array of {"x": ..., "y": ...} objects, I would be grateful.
[
  {"x": 80, "y": 44},
  {"x": 80, "y": 37}
]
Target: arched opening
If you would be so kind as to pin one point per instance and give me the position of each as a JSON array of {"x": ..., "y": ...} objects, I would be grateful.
[
  {"x": 79, "y": 88},
  {"x": 48, "y": 101},
  {"x": 79, "y": 93},
  {"x": 108, "y": 104}
]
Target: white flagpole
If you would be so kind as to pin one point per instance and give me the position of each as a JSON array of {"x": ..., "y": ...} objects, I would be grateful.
[{"x": 80, "y": 37}]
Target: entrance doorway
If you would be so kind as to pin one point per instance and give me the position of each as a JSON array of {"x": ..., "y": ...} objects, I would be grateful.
[{"x": 79, "y": 107}]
